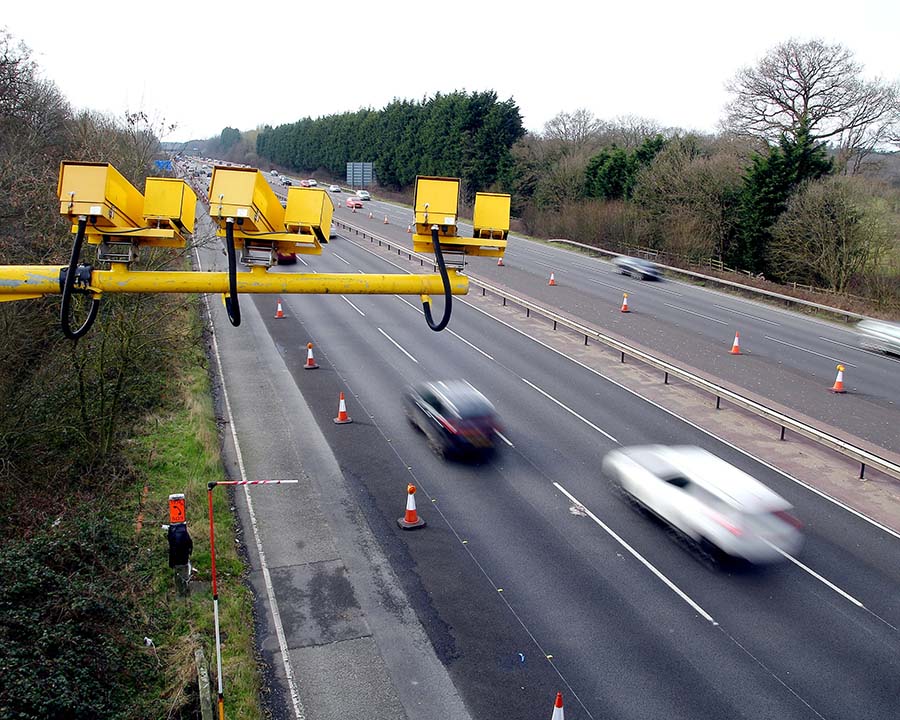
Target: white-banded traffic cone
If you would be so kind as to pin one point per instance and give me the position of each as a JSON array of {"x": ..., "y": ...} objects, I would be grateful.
[
  {"x": 371, "y": 216},
  {"x": 310, "y": 360},
  {"x": 552, "y": 279},
  {"x": 411, "y": 520},
  {"x": 500, "y": 262},
  {"x": 558, "y": 712},
  {"x": 625, "y": 303},
  {"x": 385, "y": 220},
  {"x": 342, "y": 417},
  {"x": 279, "y": 312},
  {"x": 838, "y": 386},
  {"x": 736, "y": 345},
  {"x": 409, "y": 228}
]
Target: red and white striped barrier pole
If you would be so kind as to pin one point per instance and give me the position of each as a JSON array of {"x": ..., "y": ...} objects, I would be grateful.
[{"x": 215, "y": 587}]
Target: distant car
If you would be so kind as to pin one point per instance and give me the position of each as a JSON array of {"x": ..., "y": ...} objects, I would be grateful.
[
  {"x": 273, "y": 172},
  {"x": 455, "y": 417},
  {"x": 879, "y": 335},
  {"x": 637, "y": 268},
  {"x": 312, "y": 182},
  {"x": 363, "y": 195},
  {"x": 722, "y": 510},
  {"x": 304, "y": 183},
  {"x": 334, "y": 188},
  {"x": 354, "y": 202},
  {"x": 286, "y": 180}
]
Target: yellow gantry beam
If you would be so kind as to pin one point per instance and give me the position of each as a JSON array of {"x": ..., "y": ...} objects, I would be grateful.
[{"x": 19, "y": 282}]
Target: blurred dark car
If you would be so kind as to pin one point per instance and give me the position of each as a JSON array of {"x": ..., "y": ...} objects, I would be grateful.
[
  {"x": 637, "y": 268},
  {"x": 456, "y": 418}
]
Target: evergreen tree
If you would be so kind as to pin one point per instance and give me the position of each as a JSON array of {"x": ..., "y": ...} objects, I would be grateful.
[{"x": 768, "y": 185}]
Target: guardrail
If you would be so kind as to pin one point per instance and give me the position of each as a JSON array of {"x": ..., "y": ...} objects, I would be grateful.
[
  {"x": 865, "y": 458},
  {"x": 728, "y": 283}
]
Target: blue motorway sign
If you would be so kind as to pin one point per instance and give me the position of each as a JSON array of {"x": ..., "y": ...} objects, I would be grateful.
[{"x": 164, "y": 165}]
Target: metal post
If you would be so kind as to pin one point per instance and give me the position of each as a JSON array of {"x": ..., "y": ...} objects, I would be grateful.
[
  {"x": 622, "y": 359},
  {"x": 215, "y": 590},
  {"x": 527, "y": 312},
  {"x": 718, "y": 402},
  {"x": 862, "y": 471},
  {"x": 666, "y": 379},
  {"x": 782, "y": 433}
]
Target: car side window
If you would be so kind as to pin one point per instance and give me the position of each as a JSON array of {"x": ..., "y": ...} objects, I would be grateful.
[
  {"x": 427, "y": 397},
  {"x": 678, "y": 481}
]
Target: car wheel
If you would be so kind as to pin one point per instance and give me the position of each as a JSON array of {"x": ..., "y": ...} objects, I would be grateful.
[{"x": 711, "y": 554}]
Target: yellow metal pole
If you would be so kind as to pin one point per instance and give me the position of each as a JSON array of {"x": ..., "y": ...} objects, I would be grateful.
[{"x": 29, "y": 281}]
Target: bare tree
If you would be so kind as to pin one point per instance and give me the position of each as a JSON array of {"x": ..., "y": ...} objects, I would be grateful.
[
  {"x": 834, "y": 230},
  {"x": 579, "y": 129},
  {"x": 629, "y": 131},
  {"x": 821, "y": 86},
  {"x": 689, "y": 194}
]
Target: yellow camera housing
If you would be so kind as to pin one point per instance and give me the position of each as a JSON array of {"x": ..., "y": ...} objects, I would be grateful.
[
  {"x": 437, "y": 203},
  {"x": 308, "y": 217},
  {"x": 99, "y": 192},
  {"x": 169, "y": 202}
]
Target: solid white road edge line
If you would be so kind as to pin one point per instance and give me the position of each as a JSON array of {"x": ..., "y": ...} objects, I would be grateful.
[
  {"x": 646, "y": 563},
  {"x": 569, "y": 410},
  {"x": 299, "y": 711}
]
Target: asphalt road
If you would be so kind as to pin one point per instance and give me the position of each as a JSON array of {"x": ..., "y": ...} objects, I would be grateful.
[
  {"x": 533, "y": 576},
  {"x": 788, "y": 359}
]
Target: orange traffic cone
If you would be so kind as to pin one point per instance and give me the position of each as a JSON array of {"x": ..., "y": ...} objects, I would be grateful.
[
  {"x": 409, "y": 228},
  {"x": 625, "y": 303},
  {"x": 500, "y": 262},
  {"x": 342, "y": 417},
  {"x": 385, "y": 220},
  {"x": 558, "y": 712},
  {"x": 310, "y": 360},
  {"x": 279, "y": 313},
  {"x": 838, "y": 386},
  {"x": 736, "y": 346},
  {"x": 411, "y": 520},
  {"x": 371, "y": 216},
  {"x": 354, "y": 208},
  {"x": 552, "y": 280}
]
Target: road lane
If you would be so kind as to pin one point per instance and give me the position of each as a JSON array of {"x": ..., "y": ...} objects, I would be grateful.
[
  {"x": 512, "y": 519},
  {"x": 591, "y": 290}
]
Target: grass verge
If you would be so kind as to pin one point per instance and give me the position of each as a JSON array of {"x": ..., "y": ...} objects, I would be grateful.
[{"x": 178, "y": 452}]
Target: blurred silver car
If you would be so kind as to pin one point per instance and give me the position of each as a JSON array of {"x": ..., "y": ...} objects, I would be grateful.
[
  {"x": 719, "y": 508},
  {"x": 637, "y": 268},
  {"x": 879, "y": 335}
]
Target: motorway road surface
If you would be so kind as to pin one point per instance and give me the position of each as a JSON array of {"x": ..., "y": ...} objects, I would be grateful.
[
  {"x": 532, "y": 575},
  {"x": 788, "y": 359}
]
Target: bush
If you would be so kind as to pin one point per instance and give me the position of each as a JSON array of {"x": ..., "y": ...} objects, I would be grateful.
[{"x": 62, "y": 614}]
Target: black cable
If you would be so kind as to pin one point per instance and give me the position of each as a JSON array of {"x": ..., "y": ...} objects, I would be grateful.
[
  {"x": 448, "y": 295},
  {"x": 68, "y": 286},
  {"x": 232, "y": 306}
]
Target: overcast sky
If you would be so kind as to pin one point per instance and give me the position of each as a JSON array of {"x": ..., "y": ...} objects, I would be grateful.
[{"x": 205, "y": 66}]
